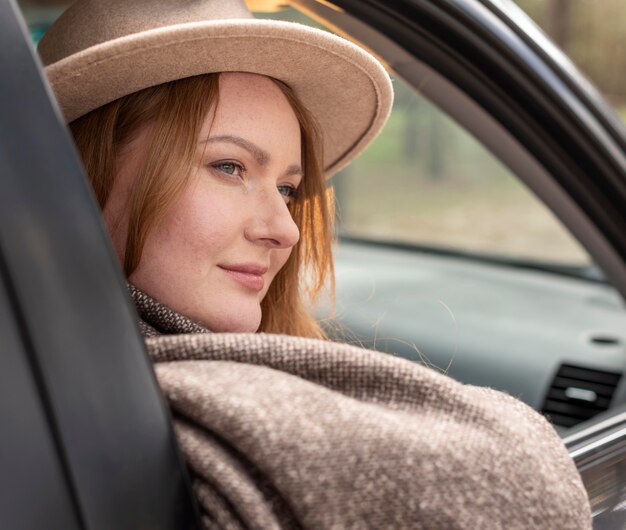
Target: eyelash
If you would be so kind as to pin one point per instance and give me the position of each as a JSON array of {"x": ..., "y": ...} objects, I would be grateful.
[
  {"x": 219, "y": 165},
  {"x": 286, "y": 190},
  {"x": 289, "y": 192}
]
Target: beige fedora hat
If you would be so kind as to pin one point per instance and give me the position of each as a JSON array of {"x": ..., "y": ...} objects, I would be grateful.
[{"x": 101, "y": 50}]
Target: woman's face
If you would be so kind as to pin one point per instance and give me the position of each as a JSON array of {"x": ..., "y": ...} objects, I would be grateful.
[{"x": 214, "y": 253}]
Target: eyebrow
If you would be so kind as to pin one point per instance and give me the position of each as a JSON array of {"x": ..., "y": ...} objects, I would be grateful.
[{"x": 262, "y": 157}]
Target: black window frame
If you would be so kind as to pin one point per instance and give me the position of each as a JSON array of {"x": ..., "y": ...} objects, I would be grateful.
[{"x": 89, "y": 441}]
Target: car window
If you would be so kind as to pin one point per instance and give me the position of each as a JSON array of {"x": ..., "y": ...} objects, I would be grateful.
[{"x": 427, "y": 181}]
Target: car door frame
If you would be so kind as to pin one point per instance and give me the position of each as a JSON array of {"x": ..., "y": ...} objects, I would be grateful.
[{"x": 89, "y": 441}]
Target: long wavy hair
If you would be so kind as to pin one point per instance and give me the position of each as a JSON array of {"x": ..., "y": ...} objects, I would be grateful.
[{"x": 176, "y": 111}]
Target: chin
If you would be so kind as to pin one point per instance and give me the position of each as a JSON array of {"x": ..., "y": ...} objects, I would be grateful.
[{"x": 243, "y": 321}]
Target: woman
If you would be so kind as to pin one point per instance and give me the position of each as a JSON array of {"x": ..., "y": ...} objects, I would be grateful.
[
  {"x": 207, "y": 136},
  {"x": 319, "y": 102},
  {"x": 208, "y": 199}
]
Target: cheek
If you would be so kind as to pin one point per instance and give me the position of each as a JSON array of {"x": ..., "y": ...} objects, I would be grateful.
[
  {"x": 207, "y": 214},
  {"x": 194, "y": 230}
]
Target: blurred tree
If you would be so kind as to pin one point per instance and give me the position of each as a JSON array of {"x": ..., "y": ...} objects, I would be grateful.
[
  {"x": 410, "y": 138},
  {"x": 560, "y": 22},
  {"x": 436, "y": 147}
]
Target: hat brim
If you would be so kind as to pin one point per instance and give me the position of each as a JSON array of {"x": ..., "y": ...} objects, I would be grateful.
[{"x": 346, "y": 89}]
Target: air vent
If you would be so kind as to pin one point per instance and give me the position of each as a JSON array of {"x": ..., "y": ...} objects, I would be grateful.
[{"x": 578, "y": 394}]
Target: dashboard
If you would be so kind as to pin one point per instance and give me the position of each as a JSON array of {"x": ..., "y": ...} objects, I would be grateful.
[{"x": 556, "y": 342}]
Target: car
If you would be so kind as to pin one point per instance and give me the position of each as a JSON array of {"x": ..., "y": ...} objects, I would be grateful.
[{"x": 489, "y": 305}]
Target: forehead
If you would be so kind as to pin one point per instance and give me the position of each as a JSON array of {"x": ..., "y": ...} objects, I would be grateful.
[
  {"x": 249, "y": 99},
  {"x": 253, "y": 109}
]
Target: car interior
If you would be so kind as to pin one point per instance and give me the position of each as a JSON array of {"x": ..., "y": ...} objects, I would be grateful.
[{"x": 440, "y": 259}]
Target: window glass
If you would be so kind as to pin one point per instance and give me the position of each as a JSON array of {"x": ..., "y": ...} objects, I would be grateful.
[{"x": 425, "y": 180}]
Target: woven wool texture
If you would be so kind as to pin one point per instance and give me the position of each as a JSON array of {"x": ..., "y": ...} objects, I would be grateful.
[{"x": 285, "y": 432}]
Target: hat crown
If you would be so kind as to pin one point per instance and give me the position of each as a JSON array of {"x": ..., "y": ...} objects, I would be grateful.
[
  {"x": 102, "y": 50},
  {"x": 88, "y": 23}
]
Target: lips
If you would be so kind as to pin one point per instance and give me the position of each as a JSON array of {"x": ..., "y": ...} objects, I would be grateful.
[{"x": 250, "y": 275}]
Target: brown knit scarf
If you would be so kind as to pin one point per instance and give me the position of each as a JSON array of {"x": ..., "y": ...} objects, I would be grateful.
[{"x": 288, "y": 433}]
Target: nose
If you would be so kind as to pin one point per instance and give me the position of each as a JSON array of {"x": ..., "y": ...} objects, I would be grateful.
[{"x": 271, "y": 222}]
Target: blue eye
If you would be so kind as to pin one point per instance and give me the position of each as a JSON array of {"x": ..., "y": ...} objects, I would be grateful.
[
  {"x": 230, "y": 168},
  {"x": 289, "y": 192}
]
